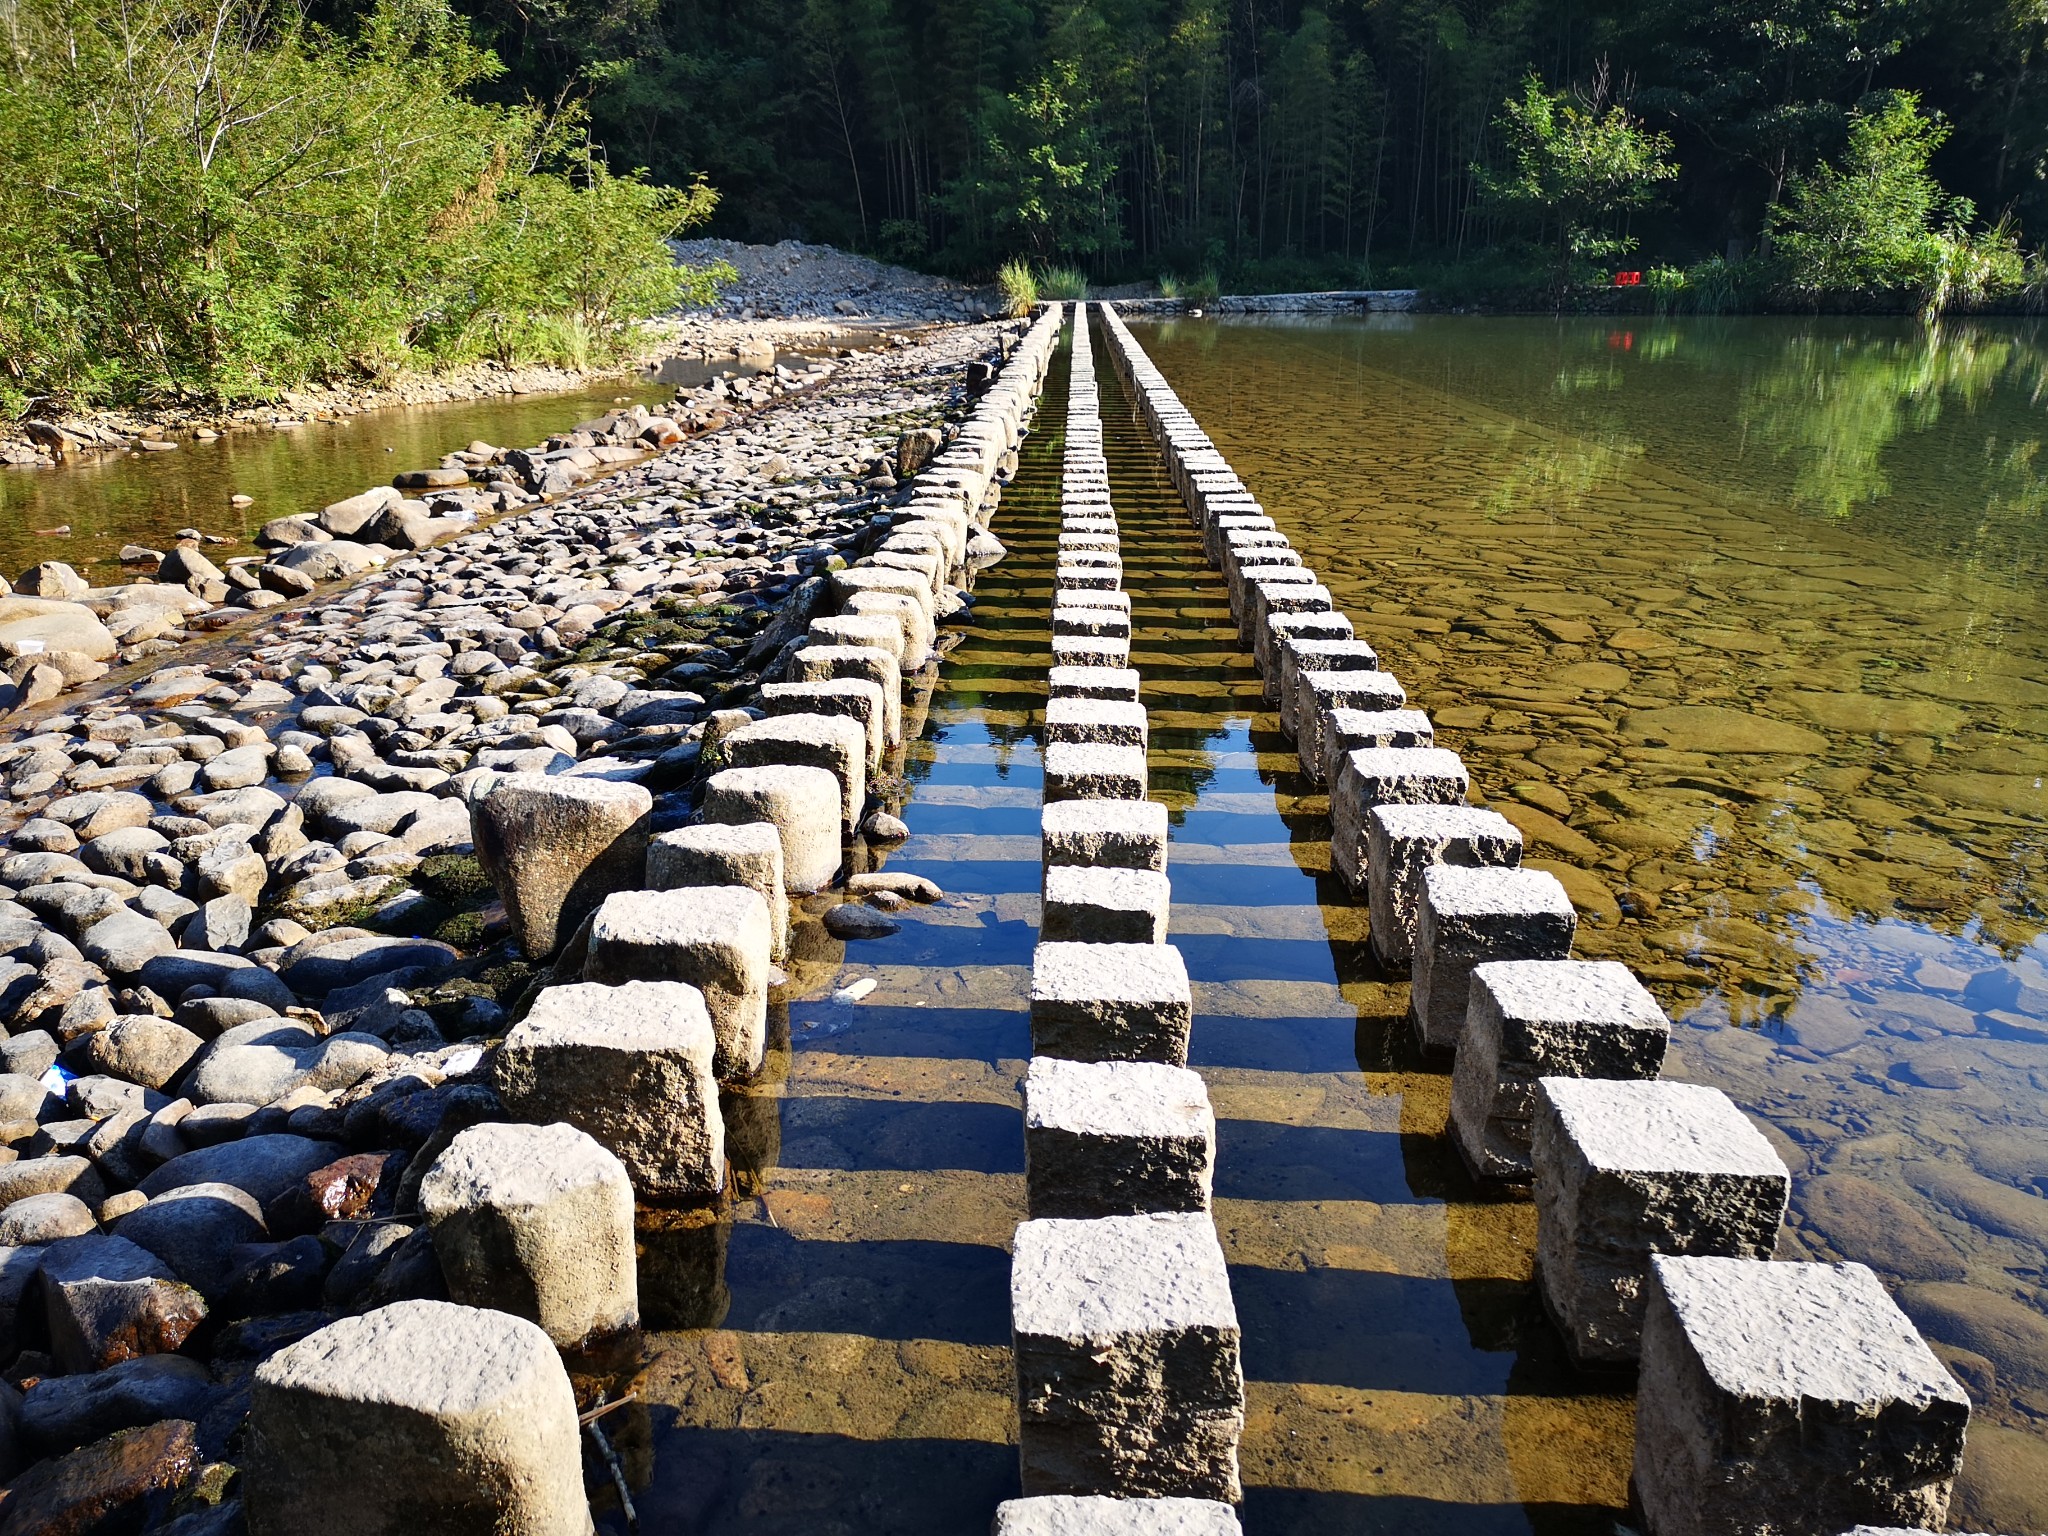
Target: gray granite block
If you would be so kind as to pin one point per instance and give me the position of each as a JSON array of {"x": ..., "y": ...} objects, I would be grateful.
[
  {"x": 1110, "y": 1002},
  {"x": 1104, "y": 905},
  {"x": 712, "y": 937},
  {"x": 1062, "y": 1514},
  {"x": 1543, "y": 1018},
  {"x": 1283, "y": 627},
  {"x": 1088, "y": 772},
  {"x": 1342, "y": 731},
  {"x": 1104, "y": 722},
  {"x": 1115, "y": 1138},
  {"x": 1123, "y": 834},
  {"x": 749, "y": 854},
  {"x": 1296, "y": 654},
  {"x": 1092, "y": 683},
  {"x": 1126, "y": 1346},
  {"x": 1374, "y": 776},
  {"x": 1470, "y": 916},
  {"x": 1397, "y": 843},
  {"x": 1788, "y": 1398},
  {"x": 1627, "y": 1169}
]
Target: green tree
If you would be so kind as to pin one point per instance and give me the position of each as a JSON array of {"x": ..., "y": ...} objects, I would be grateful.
[
  {"x": 1880, "y": 220},
  {"x": 1044, "y": 181},
  {"x": 1580, "y": 166}
]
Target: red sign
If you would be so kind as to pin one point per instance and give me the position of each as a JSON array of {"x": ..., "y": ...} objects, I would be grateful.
[{"x": 1628, "y": 279}]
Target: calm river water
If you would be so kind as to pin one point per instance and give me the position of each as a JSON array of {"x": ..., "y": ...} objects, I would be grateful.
[{"x": 1746, "y": 624}]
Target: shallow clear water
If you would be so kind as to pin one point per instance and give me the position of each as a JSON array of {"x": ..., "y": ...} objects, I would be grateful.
[
  {"x": 847, "y": 1367},
  {"x": 1745, "y": 623},
  {"x": 108, "y": 500}
]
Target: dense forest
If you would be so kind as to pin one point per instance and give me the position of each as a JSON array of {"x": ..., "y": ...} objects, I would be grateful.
[
  {"x": 1280, "y": 140},
  {"x": 217, "y": 198}
]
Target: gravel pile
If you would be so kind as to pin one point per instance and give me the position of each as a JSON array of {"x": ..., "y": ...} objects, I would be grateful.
[{"x": 806, "y": 281}]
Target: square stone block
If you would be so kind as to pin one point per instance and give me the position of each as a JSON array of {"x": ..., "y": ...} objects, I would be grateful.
[
  {"x": 1080, "y": 772},
  {"x": 802, "y": 804},
  {"x": 1344, "y": 731},
  {"x": 633, "y": 1068},
  {"x": 1277, "y": 591},
  {"x": 1296, "y": 654},
  {"x": 1109, "y": 722},
  {"x": 1470, "y": 916},
  {"x": 1092, "y": 683},
  {"x": 1107, "y": 559},
  {"x": 1104, "y": 905},
  {"x": 1091, "y": 651},
  {"x": 1110, "y": 1002},
  {"x": 1074, "y": 540},
  {"x": 1397, "y": 843},
  {"x": 749, "y": 854},
  {"x": 831, "y": 742},
  {"x": 1282, "y": 627},
  {"x": 872, "y": 664},
  {"x": 912, "y": 618},
  {"x": 1788, "y": 1398},
  {"x": 1118, "y": 834},
  {"x": 712, "y": 937},
  {"x": 1543, "y": 1018},
  {"x": 1094, "y": 597},
  {"x": 1627, "y": 1169},
  {"x": 1091, "y": 622},
  {"x": 855, "y": 699},
  {"x": 1061, "y": 1514},
  {"x": 1369, "y": 777},
  {"x": 1093, "y": 520},
  {"x": 1126, "y": 1346},
  {"x": 1115, "y": 1138},
  {"x": 882, "y": 633},
  {"x": 1069, "y": 575}
]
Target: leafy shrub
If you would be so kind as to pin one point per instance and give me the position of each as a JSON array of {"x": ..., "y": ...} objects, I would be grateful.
[{"x": 220, "y": 199}]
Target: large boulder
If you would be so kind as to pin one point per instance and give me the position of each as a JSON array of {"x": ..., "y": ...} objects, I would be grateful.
[
  {"x": 262, "y": 1061},
  {"x": 262, "y": 1167},
  {"x": 345, "y": 957},
  {"x": 556, "y": 847},
  {"x": 422, "y": 1406},
  {"x": 34, "y": 625},
  {"x": 348, "y": 517}
]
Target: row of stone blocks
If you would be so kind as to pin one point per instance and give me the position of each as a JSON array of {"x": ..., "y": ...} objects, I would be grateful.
[
  {"x": 1130, "y": 1395},
  {"x": 460, "y": 1413},
  {"x": 1772, "y": 1396}
]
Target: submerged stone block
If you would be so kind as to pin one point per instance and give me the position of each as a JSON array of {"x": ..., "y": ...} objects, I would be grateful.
[
  {"x": 749, "y": 854},
  {"x": 1115, "y": 1138},
  {"x": 1104, "y": 905},
  {"x": 1076, "y": 771},
  {"x": 1397, "y": 843},
  {"x": 1121, "y": 834},
  {"x": 420, "y": 1415},
  {"x": 1126, "y": 1345},
  {"x": 1625, "y": 1170},
  {"x": 1103, "y": 722},
  {"x": 634, "y": 1068},
  {"x": 1788, "y": 1398},
  {"x": 714, "y": 938},
  {"x": 1470, "y": 916},
  {"x": 1092, "y": 683},
  {"x": 801, "y": 803},
  {"x": 1529, "y": 1019},
  {"x": 1110, "y": 1002}
]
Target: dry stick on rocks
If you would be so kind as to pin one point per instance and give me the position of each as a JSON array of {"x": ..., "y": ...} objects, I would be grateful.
[{"x": 611, "y": 1457}]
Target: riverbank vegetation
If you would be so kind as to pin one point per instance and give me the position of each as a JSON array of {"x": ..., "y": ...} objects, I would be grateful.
[
  {"x": 1333, "y": 143},
  {"x": 216, "y": 199}
]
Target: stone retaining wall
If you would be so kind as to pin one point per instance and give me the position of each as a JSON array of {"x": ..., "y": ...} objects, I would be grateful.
[
  {"x": 1351, "y": 301},
  {"x": 1772, "y": 1396}
]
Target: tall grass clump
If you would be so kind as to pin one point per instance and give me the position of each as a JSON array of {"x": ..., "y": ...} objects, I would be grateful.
[
  {"x": 1069, "y": 283},
  {"x": 1018, "y": 285},
  {"x": 1205, "y": 287},
  {"x": 1169, "y": 286}
]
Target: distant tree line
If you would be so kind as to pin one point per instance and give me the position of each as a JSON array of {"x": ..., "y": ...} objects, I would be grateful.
[{"x": 1275, "y": 138}]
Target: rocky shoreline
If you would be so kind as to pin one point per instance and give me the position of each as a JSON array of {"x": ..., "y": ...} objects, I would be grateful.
[{"x": 254, "y": 965}]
